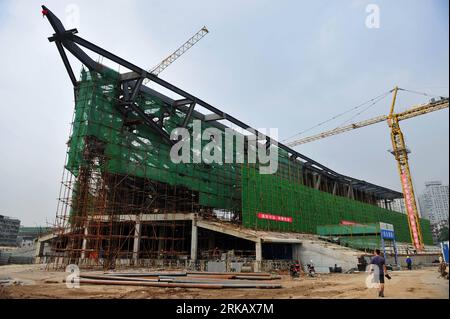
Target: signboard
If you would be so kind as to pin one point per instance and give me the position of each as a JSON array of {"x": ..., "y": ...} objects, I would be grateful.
[
  {"x": 387, "y": 231},
  {"x": 387, "y": 234},
  {"x": 444, "y": 248},
  {"x": 410, "y": 209},
  {"x": 276, "y": 218}
]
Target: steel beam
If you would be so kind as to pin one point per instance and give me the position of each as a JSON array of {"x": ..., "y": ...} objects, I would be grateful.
[
  {"x": 188, "y": 114},
  {"x": 136, "y": 89},
  {"x": 66, "y": 62},
  {"x": 213, "y": 117},
  {"x": 177, "y": 103}
]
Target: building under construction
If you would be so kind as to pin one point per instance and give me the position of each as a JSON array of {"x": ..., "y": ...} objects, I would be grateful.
[{"x": 123, "y": 200}]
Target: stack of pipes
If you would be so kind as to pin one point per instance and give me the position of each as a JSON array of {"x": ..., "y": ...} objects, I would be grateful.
[{"x": 207, "y": 280}]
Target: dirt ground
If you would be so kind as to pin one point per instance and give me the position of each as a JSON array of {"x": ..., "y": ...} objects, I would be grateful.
[{"x": 35, "y": 282}]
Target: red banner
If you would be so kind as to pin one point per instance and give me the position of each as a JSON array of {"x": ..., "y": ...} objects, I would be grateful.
[
  {"x": 347, "y": 223},
  {"x": 410, "y": 209},
  {"x": 276, "y": 218}
]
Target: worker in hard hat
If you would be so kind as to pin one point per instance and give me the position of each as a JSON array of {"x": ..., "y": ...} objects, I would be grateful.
[{"x": 408, "y": 263}]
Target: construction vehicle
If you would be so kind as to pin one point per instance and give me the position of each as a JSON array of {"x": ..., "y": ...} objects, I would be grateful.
[{"x": 399, "y": 150}]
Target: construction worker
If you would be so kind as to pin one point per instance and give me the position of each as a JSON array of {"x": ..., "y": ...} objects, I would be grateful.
[
  {"x": 408, "y": 263},
  {"x": 379, "y": 261}
]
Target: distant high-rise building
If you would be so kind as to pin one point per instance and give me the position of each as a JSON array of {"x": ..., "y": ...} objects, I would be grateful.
[
  {"x": 9, "y": 228},
  {"x": 434, "y": 203}
]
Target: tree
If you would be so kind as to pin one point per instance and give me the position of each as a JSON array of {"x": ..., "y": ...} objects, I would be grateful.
[{"x": 443, "y": 234}]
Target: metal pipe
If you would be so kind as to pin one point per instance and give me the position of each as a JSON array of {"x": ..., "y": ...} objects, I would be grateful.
[
  {"x": 100, "y": 277},
  {"x": 149, "y": 284},
  {"x": 179, "y": 285}
]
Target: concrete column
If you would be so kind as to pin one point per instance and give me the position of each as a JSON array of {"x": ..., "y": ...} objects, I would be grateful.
[
  {"x": 317, "y": 183},
  {"x": 39, "y": 250},
  {"x": 350, "y": 192},
  {"x": 296, "y": 251},
  {"x": 194, "y": 239},
  {"x": 137, "y": 240},
  {"x": 258, "y": 259},
  {"x": 84, "y": 244}
]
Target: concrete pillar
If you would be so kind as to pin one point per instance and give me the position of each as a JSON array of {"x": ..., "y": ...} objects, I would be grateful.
[
  {"x": 137, "y": 240},
  {"x": 194, "y": 239},
  {"x": 350, "y": 192},
  {"x": 296, "y": 251},
  {"x": 317, "y": 183},
  {"x": 84, "y": 244},
  {"x": 258, "y": 259},
  {"x": 39, "y": 250}
]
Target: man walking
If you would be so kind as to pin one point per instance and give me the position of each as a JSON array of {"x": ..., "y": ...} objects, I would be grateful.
[{"x": 381, "y": 264}]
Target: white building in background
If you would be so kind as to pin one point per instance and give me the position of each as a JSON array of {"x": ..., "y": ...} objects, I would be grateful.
[
  {"x": 434, "y": 203},
  {"x": 396, "y": 205}
]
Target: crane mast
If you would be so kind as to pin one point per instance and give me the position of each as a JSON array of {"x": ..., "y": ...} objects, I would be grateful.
[{"x": 400, "y": 152}]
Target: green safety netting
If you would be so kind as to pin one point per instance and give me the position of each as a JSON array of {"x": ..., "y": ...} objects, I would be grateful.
[
  {"x": 310, "y": 208},
  {"x": 139, "y": 151}
]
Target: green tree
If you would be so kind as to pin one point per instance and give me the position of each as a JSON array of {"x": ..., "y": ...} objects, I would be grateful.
[{"x": 443, "y": 234}]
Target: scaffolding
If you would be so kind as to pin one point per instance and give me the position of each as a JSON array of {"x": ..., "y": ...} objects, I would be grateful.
[{"x": 117, "y": 167}]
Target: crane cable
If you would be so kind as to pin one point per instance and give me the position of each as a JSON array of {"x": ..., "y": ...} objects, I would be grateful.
[
  {"x": 374, "y": 101},
  {"x": 421, "y": 93},
  {"x": 362, "y": 111}
]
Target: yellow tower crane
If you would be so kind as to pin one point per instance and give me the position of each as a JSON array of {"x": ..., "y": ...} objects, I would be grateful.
[
  {"x": 399, "y": 150},
  {"x": 156, "y": 70}
]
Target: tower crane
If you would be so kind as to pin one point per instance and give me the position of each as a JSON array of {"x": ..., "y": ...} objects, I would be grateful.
[
  {"x": 399, "y": 150},
  {"x": 156, "y": 70}
]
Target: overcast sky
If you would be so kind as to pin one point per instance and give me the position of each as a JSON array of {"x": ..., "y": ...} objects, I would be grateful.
[{"x": 282, "y": 64}]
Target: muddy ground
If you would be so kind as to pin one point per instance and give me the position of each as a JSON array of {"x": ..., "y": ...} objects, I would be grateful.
[{"x": 32, "y": 281}]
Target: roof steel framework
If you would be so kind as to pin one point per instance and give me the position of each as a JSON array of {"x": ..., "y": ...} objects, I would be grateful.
[{"x": 67, "y": 39}]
